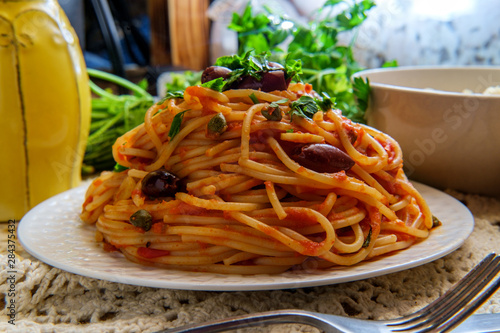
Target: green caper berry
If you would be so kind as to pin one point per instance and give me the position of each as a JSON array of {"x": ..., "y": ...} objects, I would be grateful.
[
  {"x": 142, "y": 219},
  {"x": 217, "y": 125},
  {"x": 435, "y": 222},
  {"x": 272, "y": 113}
]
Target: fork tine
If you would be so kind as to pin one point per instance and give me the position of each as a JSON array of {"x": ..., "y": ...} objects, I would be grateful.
[
  {"x": 452, "y": 314},
  {"x": 452, "y": 301},
  {"x": 470, "y": 308},
  {"x": 465, "y": 301}
]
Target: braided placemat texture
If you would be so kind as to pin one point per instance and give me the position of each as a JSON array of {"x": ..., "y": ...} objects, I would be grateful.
[{"x": 52, "y": 300}]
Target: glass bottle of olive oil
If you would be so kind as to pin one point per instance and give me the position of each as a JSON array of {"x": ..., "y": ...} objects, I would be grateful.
[{"x": 44, "y": 105}]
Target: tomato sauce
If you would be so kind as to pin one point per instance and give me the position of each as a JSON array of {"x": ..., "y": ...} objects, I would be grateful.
[
  {"x": 88, "y": 200},
  {"x": 148, "y": 253},
  {"x": 108, "y": 247},
  {"x": 311, "y": 248},
  {"x": 159, "y": 228},
  {"x": 234, "y": 126},
  {"x": 297, "y": 218},
  {"x": 185, "y": 209}
]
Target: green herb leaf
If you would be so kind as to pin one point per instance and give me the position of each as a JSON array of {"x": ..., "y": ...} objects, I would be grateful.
[
  {"x": 171, "y": 95},
  {"x": 278, "y": 102},
  {"x": 392, "y": 63},
  {"x": 361, "y": 90},
  {"x": 252, "y": 64},
  {"x": 368, "y": 239},
  {"x": 112, "y": 116},
  {"x": 292, "y": 68},
  {"x": 217, "y": 84},
  {"x": 179, "y": 81},
  {"x": 319, "y": 59},
  {"x": 326, "y": 103},
  {"x": 175, "y": 127},
  {"x": 304, "y": 107},
  {"x": 273, "y": 111},
  {"x": 119, "y": 168},
  {"x": 254, "y": 98}
]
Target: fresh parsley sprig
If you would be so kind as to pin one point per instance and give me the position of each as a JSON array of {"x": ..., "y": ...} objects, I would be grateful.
[
  {"x": 175, "y": 126},
  {"x": 307, "y": 106},
  {"x": 112, "y": 116},
  {"x": 325, "y": 63},
  {"x": 304, "y": 107}
]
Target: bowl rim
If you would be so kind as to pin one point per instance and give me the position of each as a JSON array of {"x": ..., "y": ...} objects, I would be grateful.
[{"x": 366, "y": 72}]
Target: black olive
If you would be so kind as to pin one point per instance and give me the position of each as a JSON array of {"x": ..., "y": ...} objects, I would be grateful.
[
  {"x": 160, "y": 183},
  {"x": 274, "y": 80},
  {"x": 322, "y": 158},
  {"x": 247, "y": 82},
  {"x": 275, "y": 65},
  {"x": 270, "y": 81},
  {"x": 142, "y": 219},
  {"x": 214, "y": 72}
]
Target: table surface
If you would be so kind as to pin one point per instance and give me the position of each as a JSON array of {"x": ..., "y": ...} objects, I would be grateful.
[{"x": 51, "y": 300}]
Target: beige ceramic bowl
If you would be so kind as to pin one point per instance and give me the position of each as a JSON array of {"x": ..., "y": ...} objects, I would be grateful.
[{"x": 450, "y": 139}]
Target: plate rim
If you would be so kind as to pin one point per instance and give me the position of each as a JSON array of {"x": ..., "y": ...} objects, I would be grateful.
[{"x": 326, "y": 277}]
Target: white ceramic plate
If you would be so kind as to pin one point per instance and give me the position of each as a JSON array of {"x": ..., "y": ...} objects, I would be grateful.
[{"x": 54, "y": 233}]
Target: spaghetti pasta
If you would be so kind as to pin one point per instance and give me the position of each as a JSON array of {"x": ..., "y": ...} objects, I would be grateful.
[{"x": 241, "y": 201}]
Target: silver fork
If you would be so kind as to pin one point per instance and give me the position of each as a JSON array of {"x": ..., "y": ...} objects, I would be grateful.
[{"x": 442, "y": 315}]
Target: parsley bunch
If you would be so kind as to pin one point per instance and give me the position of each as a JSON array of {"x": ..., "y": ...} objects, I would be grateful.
[
  {"x": 327, "y": 65},
  {"x": 112, "y": 116}
]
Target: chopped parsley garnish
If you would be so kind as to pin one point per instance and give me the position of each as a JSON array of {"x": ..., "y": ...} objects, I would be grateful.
[
  {"x": 171, "y": 95},
  {"x": 254, "y": 98},
  {"x": 217, "y": 84},
  {"x": 368, "y": 238},
  {"x": 304, "y": 107},
  {"x": 119, "y": 168},
  {"x": 175, "y": 127}
]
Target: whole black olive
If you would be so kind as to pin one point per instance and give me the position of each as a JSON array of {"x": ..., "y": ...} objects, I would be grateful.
[
  {"x": 274, "y": 80},
  {"x": 247, "y": 82},
  {"x": 270, "y": 81},
  {"x": 275, "y": 65},
  {"x": 321, "y": 157},
  {"x": 214, "y": 72},
  {"x": 160, "y": 183}
]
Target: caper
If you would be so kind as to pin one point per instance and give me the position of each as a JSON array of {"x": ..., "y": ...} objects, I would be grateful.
[
  {"x": 272, "y": 113},
  {"x": 142, "y": 219},
  {"x": 216, "y": 126}
]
